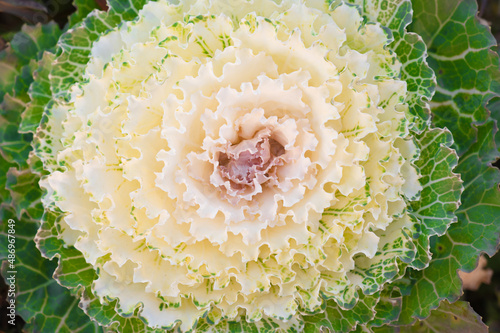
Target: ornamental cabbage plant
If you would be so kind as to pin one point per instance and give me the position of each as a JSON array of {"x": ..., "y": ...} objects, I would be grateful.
[{"x": 249, "y": 166}]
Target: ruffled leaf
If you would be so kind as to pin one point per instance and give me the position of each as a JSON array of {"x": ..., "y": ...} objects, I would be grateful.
[
  {"x": 265, "y": 325},
  {"x": 24, "y": 50},
  {"x": 337, "y": 319},
  {"x": 40, "y": 95},
  {"x": 75, "y": 45},
  {"x": 441, "y": 187},
  {"x": 74, "y": 273},
  {"x": 83, "y": 8},
  {"x": 30, "y": 43},
  {"x": 411, "y": 51},
  {"x": 14, "y": 146}
]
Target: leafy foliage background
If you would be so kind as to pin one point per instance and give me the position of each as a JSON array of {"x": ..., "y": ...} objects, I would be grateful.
[{"x": 485, "y": 301}]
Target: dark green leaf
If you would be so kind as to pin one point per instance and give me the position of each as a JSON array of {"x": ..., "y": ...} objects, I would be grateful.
[{"x": 450, "y": 318}]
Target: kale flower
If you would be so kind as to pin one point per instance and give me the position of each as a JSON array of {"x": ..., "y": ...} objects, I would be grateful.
[{"x": 258, "y": 165}]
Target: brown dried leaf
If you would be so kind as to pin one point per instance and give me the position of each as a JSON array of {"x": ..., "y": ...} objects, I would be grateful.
[{"x": 474, "y": 279}]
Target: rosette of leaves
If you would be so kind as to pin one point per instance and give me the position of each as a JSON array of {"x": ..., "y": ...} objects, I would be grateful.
[{"x": 250, "y": 166}]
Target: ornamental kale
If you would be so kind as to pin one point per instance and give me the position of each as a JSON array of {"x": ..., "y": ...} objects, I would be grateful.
[{"x": 249, "y": 166}]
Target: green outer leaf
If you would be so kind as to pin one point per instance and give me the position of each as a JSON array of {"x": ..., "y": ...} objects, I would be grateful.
[
  {"x": 24, "y": 48},
  {"x": 14, "y": 147},
  {"x": 8, "y": 71},
  {"x": 33, "y": 40},
  {"x": 24, "y": 197},
  {"x": 476, "y": 231},
  {"x": 40, "y": 95},
  {"x": 419, "y": 77},
  {"x": 440, "y": 195},
  {"x": 83, "y": 8},
  {"x": 337, "y": 319},
  {"x": 441, "y": 187},
  {"x": 19, "y": 59},
  {"x": 22, "y": 54},
  {"x": 265, "y": 325},
  {"x": 107, "y": 315},
  {"x": 466, "y": 67},
  {"x": 44, "y": 305},
  {"x": 73, "y": 51},
  {"x": 42, "y": 302},
  {"x": 75, "y": 45},
  {"x": 450, "y": 318},
  {"x": 387, "y": 309},
  {"x": 127, "y": 9},
  {"x": 411, "y": 51},
  {"x": 447, "y": 318},
  {"x": 460, "y": 61}
]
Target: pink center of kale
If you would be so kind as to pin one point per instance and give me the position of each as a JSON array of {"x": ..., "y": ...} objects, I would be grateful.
[{"x": 251, "y": 160}]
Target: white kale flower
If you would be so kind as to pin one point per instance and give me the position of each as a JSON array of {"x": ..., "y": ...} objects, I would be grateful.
[{"x": 253, "y": 161}]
